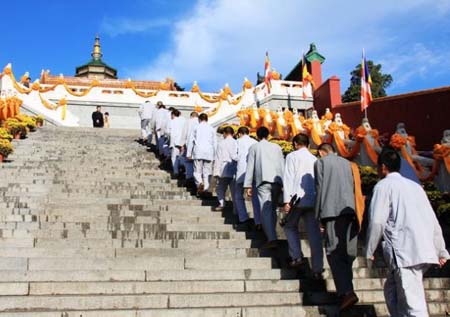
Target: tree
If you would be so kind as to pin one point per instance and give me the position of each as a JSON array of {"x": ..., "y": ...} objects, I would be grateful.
[{"x": 380, "y": 82}]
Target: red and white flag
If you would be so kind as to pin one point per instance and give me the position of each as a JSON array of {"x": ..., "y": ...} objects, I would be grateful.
[
  {"x": 366, "y": 83},
  {"x": 267, "y": 73}
]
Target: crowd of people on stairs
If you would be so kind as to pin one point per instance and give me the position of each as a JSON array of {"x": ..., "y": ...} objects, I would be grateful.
[{"x": 324, "y": 192}]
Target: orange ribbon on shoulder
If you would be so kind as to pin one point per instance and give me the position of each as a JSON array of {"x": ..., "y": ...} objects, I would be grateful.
[{"x": 359, "y": 197}]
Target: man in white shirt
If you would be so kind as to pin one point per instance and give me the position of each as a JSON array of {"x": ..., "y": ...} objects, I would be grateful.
[
  {"x": 202, "y": 148},
  {"x": 244, "y": 142},
  {"x": 265, "y": 167},
  {"x": 298, "y": 180},
  {"x": 401, "y": 214},
  {"x": 189, "y": 127},
  {"x": 146, "y": 113},
  {"x": 225, "y": 165},
  {"x": 166, "y": 132},
  {"x": 176, "y": 142},
  {"x": 160, "y": 121}
]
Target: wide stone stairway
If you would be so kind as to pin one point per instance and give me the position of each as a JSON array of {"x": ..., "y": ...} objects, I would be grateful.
[{"x": 90, "y": 226}]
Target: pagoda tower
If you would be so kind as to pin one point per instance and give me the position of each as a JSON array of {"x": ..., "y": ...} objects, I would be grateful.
[{"x": 96, "y": 68}]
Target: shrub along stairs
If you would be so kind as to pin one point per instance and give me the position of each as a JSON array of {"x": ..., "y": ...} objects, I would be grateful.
[{"x": 91, "y": 227}]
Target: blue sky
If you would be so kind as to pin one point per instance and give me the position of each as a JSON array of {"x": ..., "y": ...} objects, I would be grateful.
[{"x": 222, "y": 41}]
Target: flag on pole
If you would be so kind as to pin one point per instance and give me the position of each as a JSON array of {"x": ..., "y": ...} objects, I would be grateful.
[
  {"x": 366, "y": 83},
  {"x": 306, "y": 76},
  {"x": 267, "y": 73}
]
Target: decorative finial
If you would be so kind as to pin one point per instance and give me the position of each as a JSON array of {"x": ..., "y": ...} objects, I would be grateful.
[{"x": 97, "y": 52}]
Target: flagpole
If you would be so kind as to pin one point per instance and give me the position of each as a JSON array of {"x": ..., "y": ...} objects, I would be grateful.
[{"x": 363, "y": 66}]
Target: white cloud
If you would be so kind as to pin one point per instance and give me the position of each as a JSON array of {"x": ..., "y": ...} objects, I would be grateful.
[
  {"x": 415, "y": 63},
  {"x": 223, "y": 41},
  {"x": 114, "y": 27}
]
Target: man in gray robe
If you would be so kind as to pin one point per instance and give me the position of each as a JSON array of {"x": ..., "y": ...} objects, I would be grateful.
[
  {"x": 401, "y": 213},
  {"x": 335, "y": 208},
  {"x": 265, "y": 166}
]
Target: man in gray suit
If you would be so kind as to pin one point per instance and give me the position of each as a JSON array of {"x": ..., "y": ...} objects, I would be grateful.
[
  {"x": 335, "y": 208},
  {"x": 265, "y": 168}
]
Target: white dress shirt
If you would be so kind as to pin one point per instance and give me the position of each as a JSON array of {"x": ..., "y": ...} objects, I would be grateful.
[
  {"x": 243, "y": 144},
  {"x": 225, "y": 161},
  {"x": 176, "y": 131},
  {"x": 189, "y": 127},
  {"x": 299, "y": 177},
  {"x": 202, "y": 142},
  {"x": 401, "y": 213},
  {"x": 161, "y": 120},
  {"x": 146, "y": 110}
]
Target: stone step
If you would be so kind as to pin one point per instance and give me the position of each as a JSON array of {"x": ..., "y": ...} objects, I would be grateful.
[
  {"x": 117, "y": 234},
  {"x": 67, "y": 220},
  {"x": 129, "y": 243},
  {"x": 101, "y": 302},
  {"x": 141, "y": 227},
  {"x": 378, "y": 283},
  {"x": 127, "y": 253},
  {"x": 153, "y": 263},
  {"x": 266, "y": 311},
  {"x": 141, "y": 288},
  {"x": 96, "y": 275}
]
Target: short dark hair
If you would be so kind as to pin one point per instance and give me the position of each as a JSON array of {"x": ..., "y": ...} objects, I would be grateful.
[
  {"x": 194, "y": 114},
  {"x": 243, "y": 130},
  {"x": 171, "y": 109},
  {"x": 203, "y": 117},
  {"x": 262, "y": 133},
  {"x": 228, "y": 130},
  {"x": 326, "y": 147},
  {"x": 301, "y": 139},
  {"x": 106, "y": 113},
  {"x": 389, "y": 158},
  {"x": 176, "y": 112}
]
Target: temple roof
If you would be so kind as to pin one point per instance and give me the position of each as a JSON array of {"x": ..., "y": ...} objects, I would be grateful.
[
  {"x": 168, "y": 84},
  {"x": 96, "y": 61},
  {"x": 296, "y": 73}
]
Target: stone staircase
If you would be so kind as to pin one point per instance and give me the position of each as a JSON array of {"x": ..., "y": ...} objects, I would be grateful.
[{"x": 90, "y": 226}]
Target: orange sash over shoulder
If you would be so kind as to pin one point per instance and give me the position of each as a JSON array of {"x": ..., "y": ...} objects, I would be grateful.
[{"x": 359, "y": 198}]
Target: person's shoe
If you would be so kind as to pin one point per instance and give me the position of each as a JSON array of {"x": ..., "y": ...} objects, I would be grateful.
[
  {"x": 317, "y": 276},
  {"x": 246, "y": 225},
  {"x": 348, "y": 301},
  {"x": 297, "y": 263},
  {"x": 270, "y": 245},
  {"x": 219, "y": 208}
]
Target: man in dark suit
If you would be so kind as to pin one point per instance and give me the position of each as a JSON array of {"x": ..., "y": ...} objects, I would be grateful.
[
  {"x": 97, "y": 118},
  {"x": 335, "y": 208}
]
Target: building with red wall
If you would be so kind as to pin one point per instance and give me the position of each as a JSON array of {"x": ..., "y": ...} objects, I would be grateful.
[{"x": 426, "y": 113}]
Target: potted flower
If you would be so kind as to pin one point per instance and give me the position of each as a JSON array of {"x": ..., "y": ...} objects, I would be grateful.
[
  {"x": 39, "y": 120},
  {"x": 28, "y": 121},
  {"x": 5, "y": 149},
  {"x": 4, "y": 134},
  {"x": 16, "y": 128}
]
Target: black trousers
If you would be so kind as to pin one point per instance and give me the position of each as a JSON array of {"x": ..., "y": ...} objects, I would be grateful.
[{"x": 341, "y": 246}]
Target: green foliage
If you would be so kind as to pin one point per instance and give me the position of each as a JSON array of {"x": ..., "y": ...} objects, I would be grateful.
[
  {"x": 380, "y": 82},
  {"x": 443, "y": 209}
]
